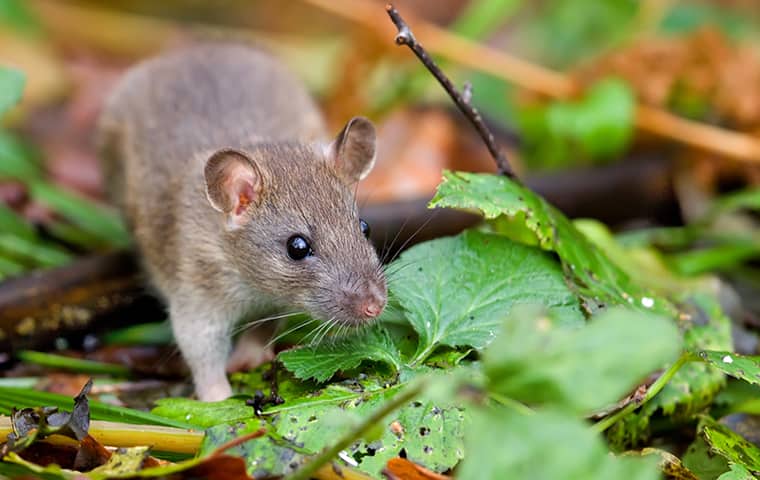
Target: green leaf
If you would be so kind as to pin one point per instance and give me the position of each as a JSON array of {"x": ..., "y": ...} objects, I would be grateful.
[
  {"x": 743, "y": 367},
  {"x": 11, "y": 397},
  {"x": 596, "y": 278},
  {"x": 322, "y": 361},
  {"x": 704, "y": 463},
  {"x": 12, "y": 223},
  {"x": 431, "y": 433},
  {"x": 583, "y": 369},
  {"x": 731, "y": 445},
  {"x": 16, "y": 160},
  {"x": 456, "y": 291},
  {"x": 738, "y": 472},
  {"x": 34, "y": 253},
  {"x": 94, "y": 218},
  {"x": 73, "y": 364},
  {"x": 596, "y": 127},
  {"x": 203, "y": 414},
  {"x": 694, "y": 386},
  {"x": 11, "y": 87},
  {"x": 504, "y": 445}
]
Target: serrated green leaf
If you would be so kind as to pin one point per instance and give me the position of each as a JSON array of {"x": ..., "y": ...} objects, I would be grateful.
[
  {"x": 456, "y": 291},
  {"x": 11, "y": 87},
  {"x": 535, "y": 362},
  {"x": 599, "y": 280},
  {"x": 743, "y": 367},
  {"x": 504, "y": 445},
  {"x": 322, "y": 361},
  {"x": 731, "y": 445}
]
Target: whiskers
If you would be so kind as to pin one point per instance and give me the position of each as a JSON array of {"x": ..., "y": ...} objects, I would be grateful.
[
  {"x": 255, "y": 323},
  {"x": 287, "y": 332}
]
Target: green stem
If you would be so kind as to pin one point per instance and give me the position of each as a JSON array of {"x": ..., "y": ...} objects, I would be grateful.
[
  {"x": 73, "y": 364},
  {"x": 653, "y": 390},
  {"x": 308, "y": 470},
  {"x": 519, "y": 407}
]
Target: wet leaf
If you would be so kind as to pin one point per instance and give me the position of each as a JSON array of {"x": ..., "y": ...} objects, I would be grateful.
[
  {"x": 599, "y": 280},
  {"x": 743, "y": 367},
  {"x": 431, "y": 433},
  {"x": 536, "y": 362},
  {"x": 731, "y": 445}
]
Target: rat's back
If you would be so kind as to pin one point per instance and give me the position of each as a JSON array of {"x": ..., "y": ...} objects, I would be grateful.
[{"x": 168, "y": 113}]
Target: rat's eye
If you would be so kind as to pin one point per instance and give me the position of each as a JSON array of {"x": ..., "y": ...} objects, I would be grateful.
[
  {"x": 298, "y": 248},
  {"x": 365, "y": 228}
]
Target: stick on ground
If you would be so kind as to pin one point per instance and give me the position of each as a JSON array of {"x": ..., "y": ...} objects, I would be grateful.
[{"x": 462, "y": 100}]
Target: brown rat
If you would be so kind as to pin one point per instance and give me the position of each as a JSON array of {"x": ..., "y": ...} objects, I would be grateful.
[{"x": 238, "y": 208}]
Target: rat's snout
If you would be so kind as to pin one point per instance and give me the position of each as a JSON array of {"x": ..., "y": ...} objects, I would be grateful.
[{"x": 368, "y": 301}]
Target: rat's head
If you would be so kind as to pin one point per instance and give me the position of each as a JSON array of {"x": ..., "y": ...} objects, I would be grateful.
[{"x": 293, "y": 227}]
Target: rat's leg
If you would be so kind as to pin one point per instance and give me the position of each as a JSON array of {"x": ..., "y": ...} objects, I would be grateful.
[
  {"x": 203, "y": 336},
  {"x": 253, "y": 348}
]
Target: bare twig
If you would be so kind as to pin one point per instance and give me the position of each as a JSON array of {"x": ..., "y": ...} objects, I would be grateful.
[
  {"x": 462, "y": 100},
  {"x": 483, "y": 58}
]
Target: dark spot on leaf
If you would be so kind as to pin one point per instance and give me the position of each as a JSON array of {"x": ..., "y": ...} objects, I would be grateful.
[
  {"x": 313, "y": 418},
  {"x": 416, "y": 404},
  {"x": 424, "y": 431},
  {"x": 427, "y": 449},
  {"x": 402, "y": 453}
]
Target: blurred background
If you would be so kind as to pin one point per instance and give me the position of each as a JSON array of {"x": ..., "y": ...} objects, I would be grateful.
[{"x": 643, "y": 115}]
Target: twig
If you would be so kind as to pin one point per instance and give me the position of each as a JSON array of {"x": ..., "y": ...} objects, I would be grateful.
[
  {"x": 653, "y": 390},
  {"x": 346, "y": 440},
  {"x": 542, "y": 80},
  {"x": 238, "y": 441},
  {"x": 406, "y": 37}
]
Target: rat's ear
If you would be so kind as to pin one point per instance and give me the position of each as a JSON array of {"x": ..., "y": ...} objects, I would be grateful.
[
  {"x": 352, "y": 153},
  {"x": 234, "y": 184}
]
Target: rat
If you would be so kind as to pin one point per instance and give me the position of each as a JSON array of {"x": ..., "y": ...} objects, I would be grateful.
[{"x": 239, "y": 207}]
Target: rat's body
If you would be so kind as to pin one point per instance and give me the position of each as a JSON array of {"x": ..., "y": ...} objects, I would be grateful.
[{"x": 213, "y": 153}]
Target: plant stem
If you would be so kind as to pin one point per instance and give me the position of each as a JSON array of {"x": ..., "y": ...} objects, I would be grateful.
[
  {"x": 519, "y": 407},
  {"x": 73, "y": 364},
  {"x": 653, "y": 390},
  {"x": 406, "y": 37},
  {"x": 308, "y": 470}
]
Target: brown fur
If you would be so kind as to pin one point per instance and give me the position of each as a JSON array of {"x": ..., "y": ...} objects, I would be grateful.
[{"x": 161, "y": 125}]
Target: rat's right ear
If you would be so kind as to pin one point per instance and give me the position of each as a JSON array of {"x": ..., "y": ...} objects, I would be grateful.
[
  {"x": 234, "y": 184},
  {"x": 352, "y": 153}
]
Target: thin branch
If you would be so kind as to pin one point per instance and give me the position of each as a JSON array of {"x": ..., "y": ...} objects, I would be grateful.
[
  {"x": 536, "y": 78},
  {"x": 653, "y": 390},
  {"x": 406, "y": 37}
]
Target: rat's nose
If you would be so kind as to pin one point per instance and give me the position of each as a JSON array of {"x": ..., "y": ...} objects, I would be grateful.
[{"x": 372, "y": 308}]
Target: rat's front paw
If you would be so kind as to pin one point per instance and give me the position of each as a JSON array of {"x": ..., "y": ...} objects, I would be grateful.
[
  {"x": 214, "y": 392},
  {"x": 250, "y": 352}
]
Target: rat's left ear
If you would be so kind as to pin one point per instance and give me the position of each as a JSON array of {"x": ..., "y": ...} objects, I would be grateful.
[{"x": 352, "y": 153}]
